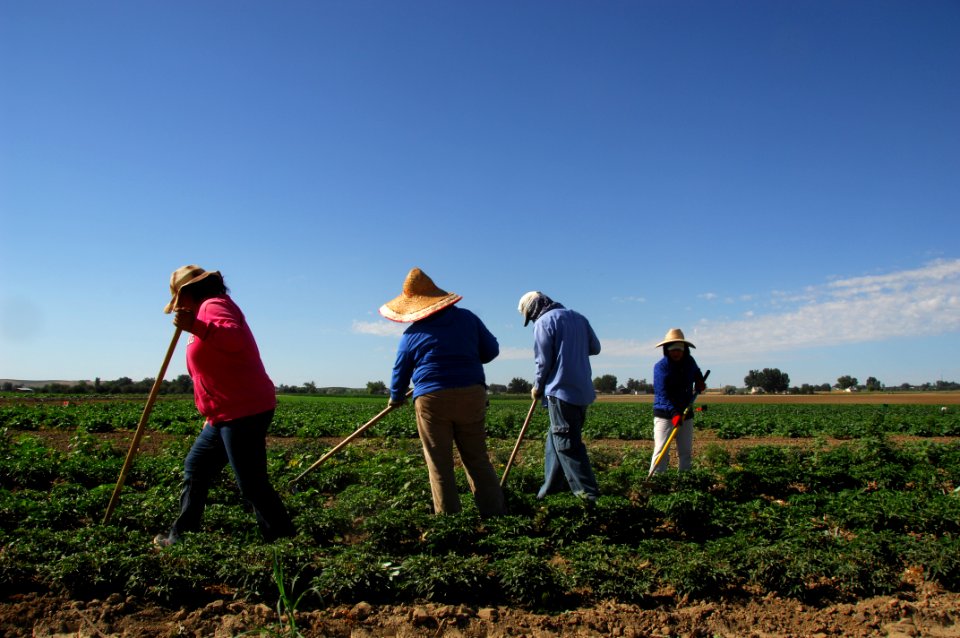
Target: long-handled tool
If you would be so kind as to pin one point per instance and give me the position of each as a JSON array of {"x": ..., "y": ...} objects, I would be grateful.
[
  {"x": 135, "y": 444},
  {"x": 523, "y": 430},
  {"x": 678, "y": 421},
  {"x": 339, "y": 446}
]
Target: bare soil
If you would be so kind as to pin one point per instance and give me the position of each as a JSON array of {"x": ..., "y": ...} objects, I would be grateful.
[
  {"x": 927, "y": 612},
  {"x": 919, "y": 609}
]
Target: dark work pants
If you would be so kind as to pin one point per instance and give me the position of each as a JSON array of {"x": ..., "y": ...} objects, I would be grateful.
[{"x": 243, "y": 444}]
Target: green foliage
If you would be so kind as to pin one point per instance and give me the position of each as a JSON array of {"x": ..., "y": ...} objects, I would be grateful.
[
  {"x": 603, "y": 571},
  {"x": 532, "y": 581},
  {"x": 356, "y": 573},
  {"x": 338, "y": 416},
  {"x": 450, "y": 578},
  {"x": 815, "y": 523},
  {"x": 940, "y": 558}
]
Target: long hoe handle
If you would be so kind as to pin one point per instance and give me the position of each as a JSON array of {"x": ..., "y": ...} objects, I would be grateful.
[
  {"x": 135, "y": 444},
  {"x": 516, "y": 448},
  {"x": 666, "y": 447},
  {"x": 347, "y": 440}
]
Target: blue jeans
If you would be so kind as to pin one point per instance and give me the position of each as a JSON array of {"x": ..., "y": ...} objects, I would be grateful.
[
  {"x": 242, "y": 443},
  {"x": 565, "y": 458}
]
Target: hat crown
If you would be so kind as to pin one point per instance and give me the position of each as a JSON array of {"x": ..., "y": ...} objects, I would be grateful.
[
  {"x": 419, "y": 299},
  {"x": 418, "y": 284},
  {"x": 674, "y": 334},
  {"x": 184, "y": 275},
  {"x": 526, "y": 301}
]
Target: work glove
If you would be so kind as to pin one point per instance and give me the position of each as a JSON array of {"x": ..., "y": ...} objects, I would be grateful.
[
  {"x": 700, "y": 386},
  {"x": 675, "y": 420},
  {"x": 184, "y": 319},
  {"x": 536, "y": 392}
]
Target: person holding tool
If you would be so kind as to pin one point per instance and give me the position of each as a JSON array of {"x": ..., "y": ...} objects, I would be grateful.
[
  {"x": 563, "y": 342},
  {"x": 443, "y": 352},
  {"x": 234, "y": 394},
  {"x": 675, "y": 378}
]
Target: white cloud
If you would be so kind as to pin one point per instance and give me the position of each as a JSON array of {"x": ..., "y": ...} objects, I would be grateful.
[
  {"x": 912, "y": 303},
  {"x": 630, "y": 299},
  {"x": 627, "y": 348},
  {"x": 378, "y": 328}
]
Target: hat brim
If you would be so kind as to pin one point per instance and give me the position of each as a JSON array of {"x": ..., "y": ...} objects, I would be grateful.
[
  {"x": 171, "y": 306},
  {"x": 404, "y": 309},
  {"x": 663, "y": 343}
]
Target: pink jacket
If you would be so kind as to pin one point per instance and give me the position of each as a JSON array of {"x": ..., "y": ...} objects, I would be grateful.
[{"x": 229, "y": 380}]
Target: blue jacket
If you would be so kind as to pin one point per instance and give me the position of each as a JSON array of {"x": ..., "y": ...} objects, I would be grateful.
[
  {"x": 442, "y": 351},
  {"x": 562, "y": 344},
  {"x": 673, "y": 385}
]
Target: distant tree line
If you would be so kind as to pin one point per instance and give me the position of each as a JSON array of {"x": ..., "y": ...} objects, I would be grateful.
[
  {"x": 183, "y": 384},
  {"x": 768, "y": 380},
  {"x": 774, "y": 381}
]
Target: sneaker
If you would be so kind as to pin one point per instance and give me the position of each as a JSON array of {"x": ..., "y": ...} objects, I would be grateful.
[{"x": 164, "y": 540}]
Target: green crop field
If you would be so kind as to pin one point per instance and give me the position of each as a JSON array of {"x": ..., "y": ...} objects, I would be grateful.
[{"x": 817, "y": 522}]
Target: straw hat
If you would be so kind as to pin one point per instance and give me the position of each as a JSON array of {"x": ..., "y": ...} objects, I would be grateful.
[
  {"x": 182, "y": 277},
  {"x": 420, "y": 298},
  {"x": 674, "y": 335}
]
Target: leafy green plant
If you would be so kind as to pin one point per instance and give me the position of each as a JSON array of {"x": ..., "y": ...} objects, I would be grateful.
[
  {"x": 531, "y": 581},
  {"x": 452, "y": 577},
  {"x": 355, "y": 573},
  {"x": 603, "y": 571}
]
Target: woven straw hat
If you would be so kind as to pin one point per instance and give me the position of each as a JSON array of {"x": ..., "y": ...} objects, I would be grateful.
[
  {"x": 182, "y": 277},
  {"x": 674, "y": 335},
  {"x": 420, "y": 298}
]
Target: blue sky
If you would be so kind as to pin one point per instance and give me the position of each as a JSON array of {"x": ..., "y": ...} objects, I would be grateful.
[{"x": 780, "y": 180}]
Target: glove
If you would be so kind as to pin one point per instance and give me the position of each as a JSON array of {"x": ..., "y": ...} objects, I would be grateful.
[
  {"x": 396, "y": 403},
  {"x": 675, "y": 420},
  {"x": 535, "y": 393}
]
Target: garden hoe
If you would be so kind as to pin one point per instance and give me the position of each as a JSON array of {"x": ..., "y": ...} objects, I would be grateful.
[
  {"x": 135, "y": 444},
  {"x": 523, "y": 430},
  {"x": 342, "y": 444},
  {"x": 677, "y": 420}
]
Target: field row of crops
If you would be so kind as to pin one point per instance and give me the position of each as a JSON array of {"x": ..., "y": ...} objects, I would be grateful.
[
  {"x": 815, "y": 523},
  {"x": 326, "y": 416}
]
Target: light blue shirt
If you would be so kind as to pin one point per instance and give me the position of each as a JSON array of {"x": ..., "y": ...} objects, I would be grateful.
[{"x": 562, "y": 344}]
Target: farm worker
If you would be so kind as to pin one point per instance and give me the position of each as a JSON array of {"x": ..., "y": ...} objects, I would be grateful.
[
  {"x": 675, "y": 377},
  {"x": 563, "y": 342},
  {"x": 236, "y": 397},
  {"x": 443, "y": 352}
]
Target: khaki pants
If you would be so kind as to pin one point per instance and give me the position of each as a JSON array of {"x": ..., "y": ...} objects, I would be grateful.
[{"x": 457, "y": 416}]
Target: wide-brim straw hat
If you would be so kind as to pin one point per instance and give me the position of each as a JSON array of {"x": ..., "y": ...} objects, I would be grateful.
[
  {"x": 420, "y": 298},
  {"x": 183, "y": 277},
  {"x": 673, "y": 336}
]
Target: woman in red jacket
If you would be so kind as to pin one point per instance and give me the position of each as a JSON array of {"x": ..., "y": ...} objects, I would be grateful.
[{"x": 235, "y": 395}]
